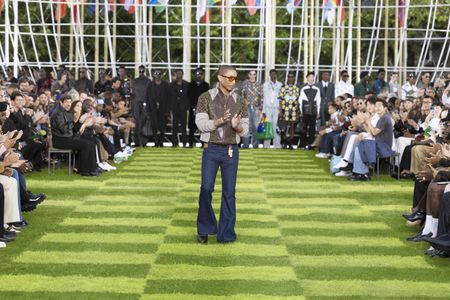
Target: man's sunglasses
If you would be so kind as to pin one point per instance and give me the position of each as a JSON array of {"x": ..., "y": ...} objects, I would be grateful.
[
  {"x": 230, "y": 78},
  {"x": 156, "y": 73},
  {"x": 141, "y": 71}
]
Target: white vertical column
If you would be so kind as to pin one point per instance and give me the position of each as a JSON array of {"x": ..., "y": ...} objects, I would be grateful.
[{"x": 187, "y": 18}]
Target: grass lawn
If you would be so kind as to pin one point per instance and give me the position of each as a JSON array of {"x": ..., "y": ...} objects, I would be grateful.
[{"x": 302, "y": 234}]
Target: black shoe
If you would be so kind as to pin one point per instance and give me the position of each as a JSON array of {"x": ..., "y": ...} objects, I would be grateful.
[
  {"x": 36, "y": 198},
  {"x": 22, "y": 224},
  {"x": 438, "y": 253},
  {"x": 348, "y": 168},
  {"x": 359, "y": 177},
  {"x": 418, "y": 215},
  {"x": 291, "y": 147},
  {"x": 6, "y": 239},
  {"x": 10, "y": 234},
  {"x": 418, "y": 237},
  {"x": 202, "y": 239},
  {"x": 28, "y": 206}
]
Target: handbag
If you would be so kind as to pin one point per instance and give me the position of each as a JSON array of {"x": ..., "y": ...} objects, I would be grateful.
[{"x": 264, "y": 131}]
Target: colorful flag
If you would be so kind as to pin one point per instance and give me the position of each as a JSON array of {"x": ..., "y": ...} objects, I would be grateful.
[
  {"x": 329, "y": 7},
  {"x": 402, "y": 12},
  {"x": 201, "y": 9},
  {"x": 160, "y": 4},
  {"x": 128, "y": 5},
  {"x": 60, "y": 11},
  {"x": 1, "y": 7},
  {"x": 252, "y": 6},
  {"x": 91, "y": 9},
  {"x": 292, "y": 5}
]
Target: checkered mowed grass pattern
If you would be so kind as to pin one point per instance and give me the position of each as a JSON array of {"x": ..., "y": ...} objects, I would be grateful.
[{"x": 301, "y": 234}]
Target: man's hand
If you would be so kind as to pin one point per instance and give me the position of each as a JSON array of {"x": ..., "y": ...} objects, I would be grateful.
[
  {"x": 425, "y": 175},
  {"x": 10, "y": 158},
  {"x": 434, "y": 159},
  {"x": 235, "y": 121},
  {"x": 223, "y": 120},
  {"x": 8, "y": 172}
]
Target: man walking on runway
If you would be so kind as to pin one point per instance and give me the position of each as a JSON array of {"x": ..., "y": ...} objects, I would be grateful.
[{"x": 222, "y": 118}]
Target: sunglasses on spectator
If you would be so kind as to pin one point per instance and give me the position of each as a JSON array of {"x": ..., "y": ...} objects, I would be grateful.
[
  {"x": 361, "y": 103},
  {"x": 230, "y": 78},
  {"x": 427, "y": 102},
  {"x": 156, "y": 73},
  {"x": 346, "y": 75},
  {"x": 427, "y": 76},
  {"x": 141, "y": 71}
]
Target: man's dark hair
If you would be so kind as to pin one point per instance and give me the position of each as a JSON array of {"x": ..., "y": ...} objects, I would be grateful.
[
  {"x": 334, "y": 105},
  {"x": 343, "y": 72},
  {"x": 371, "y": 99},
  {"x": 382, "y": 101},
  {"x": 381, "y": 71},
  {"x": 273, "y": 71},
  {"x": 64, "y": 98},
  {"x": 199, "y": 69},
  {"x": 115, "y": 79},
  {"x": 15, "y": 95},
  {"x": 224, "y": 68},
  {"x": 310, "y": 73},
  {"x": 363, "y": 74}
]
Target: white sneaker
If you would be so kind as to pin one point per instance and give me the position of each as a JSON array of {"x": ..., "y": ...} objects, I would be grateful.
[
  {"x": 343, "y": 174},
  {"x": 2, "y": 245},
  {"x": 341, "y": 164},
  {"x": 111, "y": 168},
  {"x": 103, "y": 167},
  {"x": 322, "y": 155}
]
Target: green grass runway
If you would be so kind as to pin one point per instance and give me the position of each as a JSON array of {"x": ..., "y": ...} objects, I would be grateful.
[{"x": 302, "y": 234}]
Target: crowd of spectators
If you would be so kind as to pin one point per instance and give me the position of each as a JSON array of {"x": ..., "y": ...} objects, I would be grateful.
[{"x": 353, "y": 125}]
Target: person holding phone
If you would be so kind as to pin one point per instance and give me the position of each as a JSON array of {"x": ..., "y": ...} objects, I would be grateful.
[{"x": 222, "y": 118}]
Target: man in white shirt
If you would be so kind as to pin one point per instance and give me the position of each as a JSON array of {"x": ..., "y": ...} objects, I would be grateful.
[
  {"x": 309, "y": 102},
  {"x": 410, "y": 88},
  {"x": 344, "y": 86},
  {"x": 271, "y": 106}
]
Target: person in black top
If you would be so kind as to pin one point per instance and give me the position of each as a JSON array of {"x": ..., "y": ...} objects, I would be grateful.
[
  {"x": 103, "y": 83},
  {"x": 139, "y": 89},
  {"x": 196, "y": 88},
  {"x": 84, "y": 83},
  {"x": 32, "y": 146},
  {"x": 179, "y": 103},
  {"x": 158, "y": 105},
  {"x": 62, "y": 136}
]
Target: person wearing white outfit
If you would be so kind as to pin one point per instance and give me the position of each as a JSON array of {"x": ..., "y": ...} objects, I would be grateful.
[
  {"x": 271, "y": 106},
  {"x": 344, "y": 86}
]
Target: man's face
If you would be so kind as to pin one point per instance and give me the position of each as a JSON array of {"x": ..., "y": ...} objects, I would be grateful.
[
  {"x": 407, "y": 105},
  {"x": 331, "y": 109},
  {"x": 426, "y": 103},
  {"x": 227, "y": 79},
  {"x": 24, "y": 86},
  {"x": 18, "y": 102},
  {"x": 199, "y": 75},
  {"x": 66, "y": 104},
  {"x": 381, "y": 75},
  {"x": 42, "y": 74},
  {"x": 326, "y": 76},
  {"x": 361, "y": 105},
  {"x": 179, "y": 75},
  {"x": 142, "y": 72},
  {"x": 291, "y": 79},
  {"x": 273, "y": 76},
  {"x": 411, "y": 79},
  {"x": 310, "y": 79},
  {"x": 370, "y": 107},
  {"x": 379, "y": 108},
  {"x": 116, "y": 84},
  {"x": 344, "y": 77},
  {"x": 122, "y": 73},
  {"x": 102, "y": 74},
  {"x": 83, "y": 73},
  {"x": 426, "y": 78},
  {"x": 157, "y": 74}
]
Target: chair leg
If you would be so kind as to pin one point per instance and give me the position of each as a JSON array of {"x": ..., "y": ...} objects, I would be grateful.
[
  {"x": 48, "y": 162},
  {"x": 70, "y": 163}
]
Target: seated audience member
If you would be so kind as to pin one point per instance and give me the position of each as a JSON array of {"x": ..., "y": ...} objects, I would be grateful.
[
  {"x": 327, "y": 141},
  {"x": 63, "y": 138}
]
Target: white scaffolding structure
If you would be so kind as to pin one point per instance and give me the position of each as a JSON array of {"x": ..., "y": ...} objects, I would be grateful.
[{"x": 166, "y": 34}]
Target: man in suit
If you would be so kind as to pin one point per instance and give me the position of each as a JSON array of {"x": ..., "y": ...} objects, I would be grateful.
[
  {"x": 158, "y": 104},
  {"x": 326, "y": 89},
  {"x": 179, "y": 102},
  {"x": 139, "y": 89}
]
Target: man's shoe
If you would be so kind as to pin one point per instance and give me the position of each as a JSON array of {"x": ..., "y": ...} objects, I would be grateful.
[
  {"x": 347, "y": 168},
  {"x": 6, "y": 239},
  {"x": 359, "y": 177},
  {"x": 438, "y": 253},
  {"x": 419, "y": 237},
  {"x": 418, "y": 215},
  {"x": 8, "y": 233},
  {"x": 28, "y": 206},
  {"x": 21, "y": 225},
  {"x": 202, "y": 238}
]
